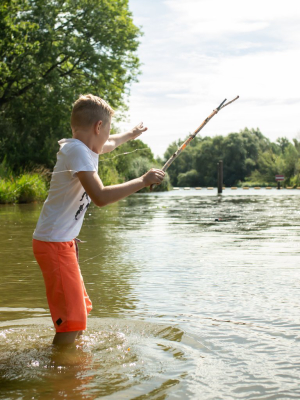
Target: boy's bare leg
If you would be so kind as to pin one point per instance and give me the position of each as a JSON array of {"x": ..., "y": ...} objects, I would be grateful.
[{"x": 65, "y": 337}]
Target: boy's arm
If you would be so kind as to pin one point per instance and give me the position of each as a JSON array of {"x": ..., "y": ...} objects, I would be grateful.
[
  {"x": 101, "y": 195},
  {"x": 115, "y": 140}
]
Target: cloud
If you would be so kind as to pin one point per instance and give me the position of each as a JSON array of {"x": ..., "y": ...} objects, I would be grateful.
[
  {"x": 233, "y": 27},
  {"x": 216, "y": 17},
  {"x": 196, "y": 53}
]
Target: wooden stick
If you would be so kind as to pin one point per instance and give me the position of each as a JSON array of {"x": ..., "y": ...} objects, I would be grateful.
[{"x": 192, "y": 136}]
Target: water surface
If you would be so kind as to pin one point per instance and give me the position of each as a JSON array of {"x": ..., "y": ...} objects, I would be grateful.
[{"x": 195, "y": 296}]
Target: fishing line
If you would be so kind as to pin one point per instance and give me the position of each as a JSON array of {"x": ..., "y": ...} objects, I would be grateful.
[
  {"x": 105, "y": 160},
  {"x": 122, "y": 154},
  {"x": 91, "y": 258}
]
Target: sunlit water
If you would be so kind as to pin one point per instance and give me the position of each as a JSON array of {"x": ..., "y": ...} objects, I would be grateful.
[{"x": 195, "y": 296}]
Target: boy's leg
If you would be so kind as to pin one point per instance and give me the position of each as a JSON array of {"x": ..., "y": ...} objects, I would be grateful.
[
  {"x": 65, "y": 337},
  {"x": 66, "y": 294}
]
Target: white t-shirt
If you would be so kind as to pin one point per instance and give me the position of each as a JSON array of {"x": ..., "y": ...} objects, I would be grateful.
[{"x": 63, "y": 211}]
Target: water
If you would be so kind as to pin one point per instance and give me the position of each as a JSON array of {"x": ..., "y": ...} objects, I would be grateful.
[{"x": 195, "y": 296}]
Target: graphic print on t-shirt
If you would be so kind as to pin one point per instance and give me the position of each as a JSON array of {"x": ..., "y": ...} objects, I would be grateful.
[{"x": 82, "y": 206}]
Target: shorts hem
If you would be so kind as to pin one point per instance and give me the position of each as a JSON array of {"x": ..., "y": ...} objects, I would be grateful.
[{"x": 62, "y": 330}]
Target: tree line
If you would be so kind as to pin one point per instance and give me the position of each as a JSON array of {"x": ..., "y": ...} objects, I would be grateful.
[{"x": 249, "y": 158}]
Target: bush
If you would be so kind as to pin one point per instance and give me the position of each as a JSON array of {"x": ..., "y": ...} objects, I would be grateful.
[
  {"x": 190, "y": 178},
  {"x": 7, "y": 191},
  {"x": 24, "y": 189},
  {"x": 139, "y": 166},
  {"x": 256, "y": 183},
  {"x": 108, "y": 174}
]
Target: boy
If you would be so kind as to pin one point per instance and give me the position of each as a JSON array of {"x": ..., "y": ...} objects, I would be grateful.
[{"x": 75, "y": 182}]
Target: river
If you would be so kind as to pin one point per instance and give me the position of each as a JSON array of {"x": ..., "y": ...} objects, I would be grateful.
[{"x": 195, "y": 296}]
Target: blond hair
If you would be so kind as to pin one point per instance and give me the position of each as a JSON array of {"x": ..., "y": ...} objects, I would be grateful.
[{"x": 88, "y": 109}]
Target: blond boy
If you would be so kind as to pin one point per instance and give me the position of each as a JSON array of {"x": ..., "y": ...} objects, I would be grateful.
[{"x": 75, "y": 183}]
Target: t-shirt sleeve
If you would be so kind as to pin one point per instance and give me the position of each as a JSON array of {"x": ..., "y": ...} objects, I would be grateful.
[{"x": 79, "y": 159}]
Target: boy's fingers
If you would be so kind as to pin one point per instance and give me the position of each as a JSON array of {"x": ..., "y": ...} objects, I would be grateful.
[
  {"x": 160, "y": 175},
  {"x": 141, "y": 127},
  {"x": 157, "y": 175},
  {"x": 157, "y": 170}
]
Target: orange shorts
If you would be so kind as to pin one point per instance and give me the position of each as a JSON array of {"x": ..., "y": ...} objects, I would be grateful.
[{"x": 67, "y": 298}]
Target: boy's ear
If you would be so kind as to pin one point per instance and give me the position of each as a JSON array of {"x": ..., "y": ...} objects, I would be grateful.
[{"x": 98, "y": 126}]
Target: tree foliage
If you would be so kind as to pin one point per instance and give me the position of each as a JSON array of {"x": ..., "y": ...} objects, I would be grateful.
[
  {"x": 248, "y": 156},
  {"x": 129, "y": 161},
  {"x": 52, "y": 51}
]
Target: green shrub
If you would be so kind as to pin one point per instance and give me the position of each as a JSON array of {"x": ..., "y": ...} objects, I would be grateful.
[
  {"x": 7, "y": 191},
  {"x": 139, "y": 166},
  {"x": 256, "y": 183},
  {"x": 190, "y": 178},
  {"x": 30, "y": 187},
  {"x": 108, "y": 174},
  {"x": 24, "y": 189},
  {"x": 294, "y": 181}
]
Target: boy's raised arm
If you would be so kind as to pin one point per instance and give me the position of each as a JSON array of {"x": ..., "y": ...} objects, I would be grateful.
[
  {"x": 103, "y": 195},
  {"x": 118, "y": 139}
]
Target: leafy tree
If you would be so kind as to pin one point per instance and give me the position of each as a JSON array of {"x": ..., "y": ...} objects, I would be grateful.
[
  {"x": 290, "y": 162},
  {"x": 51, "y": 51},
  {"x": 129, "y": 161},
  {"x": 184, "y": 162},
  {"x": 206, "y": 159},
  {"x": 297, "y": 145},
  {"x": 190, "y": 178},
  {"x": 234, "y": 160},
  {"x": 247, "y": 155},
  {"x": 283, "y": 143}
]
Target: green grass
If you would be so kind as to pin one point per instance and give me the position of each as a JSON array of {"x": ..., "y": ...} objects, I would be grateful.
[{"x": 26, "y": 188}]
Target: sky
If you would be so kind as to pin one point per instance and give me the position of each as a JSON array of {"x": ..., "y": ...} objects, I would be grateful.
[{"x": 196, "y": 53}]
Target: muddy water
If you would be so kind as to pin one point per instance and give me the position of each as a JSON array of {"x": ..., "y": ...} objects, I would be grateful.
[{"x": 195, "y": 296}]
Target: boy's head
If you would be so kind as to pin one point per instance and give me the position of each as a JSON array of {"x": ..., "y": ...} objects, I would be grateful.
[{"x": 89, "y": 109}]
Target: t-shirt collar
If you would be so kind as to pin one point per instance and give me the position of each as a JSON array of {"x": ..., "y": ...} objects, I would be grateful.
[{"x": 73, "y": 140}]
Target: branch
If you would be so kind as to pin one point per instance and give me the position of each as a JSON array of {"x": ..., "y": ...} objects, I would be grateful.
[
  {"x": 4, "y": 100},
  {"x": 73, "y": 67}
]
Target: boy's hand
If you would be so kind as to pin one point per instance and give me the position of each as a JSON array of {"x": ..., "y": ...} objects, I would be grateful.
[
  {"x": 137, "y": 130},
  {"x": 153, "y": 176}
]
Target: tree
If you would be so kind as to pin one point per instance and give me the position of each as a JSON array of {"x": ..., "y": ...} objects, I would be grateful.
[
  {"x": 184, "y": 162},
  {"x": 129, "y": 161},
  {"x": 283, "y": 143},
  {"x": 291, "y": 162},
  {"x": 206, "y": 158},
  {"x": 190, "y": 178},
  {"x": 247, "y": 154},
  {"x": 51, "y": 51}
]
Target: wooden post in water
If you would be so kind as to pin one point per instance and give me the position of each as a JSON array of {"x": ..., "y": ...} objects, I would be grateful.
[{"x": 220, "y": 177}]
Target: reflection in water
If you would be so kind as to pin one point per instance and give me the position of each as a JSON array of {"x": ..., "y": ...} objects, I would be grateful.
[{"x": 194, "y": 295}]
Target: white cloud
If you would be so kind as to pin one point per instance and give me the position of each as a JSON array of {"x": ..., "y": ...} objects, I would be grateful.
[
  {"x": 222, "y": 17},
  {"x": 196, "y": 53}
]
